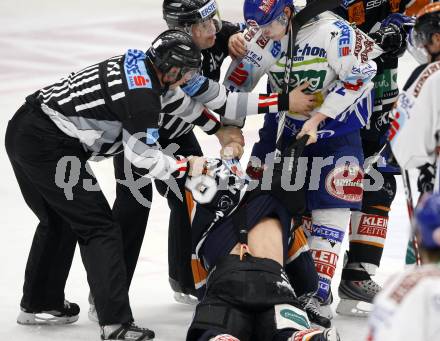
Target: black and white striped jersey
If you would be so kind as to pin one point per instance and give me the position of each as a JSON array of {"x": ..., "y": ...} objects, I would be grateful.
[
  {"x": 112, "y": 106},
  {"x": 205, "y": 89},
  {"x": 116, "y": 105},
  {"x": 173, "y": 126}
]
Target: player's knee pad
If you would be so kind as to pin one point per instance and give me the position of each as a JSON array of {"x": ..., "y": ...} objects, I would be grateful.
[
  {"x": 368, "y": 228},
  {"x": 328, "y": 230}
]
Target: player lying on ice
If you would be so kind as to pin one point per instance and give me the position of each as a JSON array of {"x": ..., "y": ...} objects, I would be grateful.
[{"x": 241, "y": 238}]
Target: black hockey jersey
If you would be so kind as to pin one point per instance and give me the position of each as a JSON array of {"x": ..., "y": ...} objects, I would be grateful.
[
  {"x": 115, "y": 105},
  {"x": 174, "y": 126},
  {"x": 368, "y": 15}
]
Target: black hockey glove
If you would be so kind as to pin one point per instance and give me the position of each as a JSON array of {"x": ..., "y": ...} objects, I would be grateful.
[
  {"x": 425, "y": 181},
  {"x": 391, "y": 39}
]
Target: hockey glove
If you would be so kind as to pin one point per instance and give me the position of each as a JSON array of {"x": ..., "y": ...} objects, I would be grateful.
[
  {"x": 391, "y": 39},
  {"x": 399, "y": 19},
  {"x": 425, "y": 181}
]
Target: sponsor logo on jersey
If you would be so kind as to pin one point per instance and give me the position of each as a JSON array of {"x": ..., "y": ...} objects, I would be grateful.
[
  {"x": 152, "y": 135},
  {"x": 266, "y": 6},
  {"x": 345, "y": 183},
  {"x": 314, "y": 77},
  {"x": 363, "y": 46},
  {"x": 373, "y": 226},
  {"x": 262, "y": 41},
  {"x": 135, "y": 70},
  {"x": 252, "y": 31},
  {"x": 328, "y": 233},
  {"x": 344, "y": 40},
  {"x": 363, "y": 72},
  {"x": 325, "y": 133},
  {"x": 193, "y": 85},
  {"x": 239, "y": 75},
  {"x": 374, "y": 3},
  {"x": 253, "y": 58},
  {"x": 431, "y": 69},
  {"x": 208, "y": 9},
  {"x": 276, "y": 49},
  {"x": 325, "y": 262},
  {"x": 307, "y": 50},
  {"x": 356, "y": 13}
]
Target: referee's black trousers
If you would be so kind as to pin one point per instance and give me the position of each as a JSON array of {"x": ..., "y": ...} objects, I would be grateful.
[
  {"x": 132, "y": 215},
  {"x": 35, "y": 147}
]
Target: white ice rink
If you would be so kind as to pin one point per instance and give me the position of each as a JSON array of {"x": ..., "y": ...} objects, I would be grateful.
[{"x": 43, "y": 40}]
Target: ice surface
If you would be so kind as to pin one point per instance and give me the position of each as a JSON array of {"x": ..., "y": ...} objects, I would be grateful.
[{"x": 43, "y": 40}]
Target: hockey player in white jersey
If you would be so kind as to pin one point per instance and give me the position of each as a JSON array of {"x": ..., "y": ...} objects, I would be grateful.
[
  {"x": 333, "y": 61},
  {"x": 408, "y": 308},
  {"x": 414, "y": 133}
]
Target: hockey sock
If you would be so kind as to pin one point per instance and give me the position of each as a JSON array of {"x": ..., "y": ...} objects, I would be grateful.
[{"x": 328, "y": 230}]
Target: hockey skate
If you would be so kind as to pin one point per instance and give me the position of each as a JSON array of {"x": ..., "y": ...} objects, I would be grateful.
[
  {"x": 312, "y": 307},
  {"x": 129, "y": 332},
  {"x": 356, "y": 294},
  {"x": 180, "y": 295},
  {"x": 69, "y": 313},
  {"x": 330, "y": 334}
]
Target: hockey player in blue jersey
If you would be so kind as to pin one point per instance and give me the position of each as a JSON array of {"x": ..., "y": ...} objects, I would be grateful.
[{"x": 336, "y": 65}]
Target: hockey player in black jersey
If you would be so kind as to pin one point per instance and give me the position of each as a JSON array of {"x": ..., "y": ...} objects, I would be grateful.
[
  {"x": 383, "y": 21},
  {"x": 214, "y": 37},
  {"x": 241, "y": 239}
]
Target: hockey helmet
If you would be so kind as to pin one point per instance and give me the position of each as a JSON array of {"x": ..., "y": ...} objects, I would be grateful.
[
  {"x": 175, "y": 48},
  {"x": 428, "y": 221},
  {"x": 184, "y": 13},
  {"x": 221, "y": 186},
  {"x": 265, "y": 14},
  {"x": 427, "y": 23}
]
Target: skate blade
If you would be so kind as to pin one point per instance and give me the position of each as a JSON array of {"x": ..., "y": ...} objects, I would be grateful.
[
  {"x": 44, "y": 319},
  {"x": 92, "y": 314},
  {"x": 185, "y": 299},
  {"x": 347, "y": 307}
]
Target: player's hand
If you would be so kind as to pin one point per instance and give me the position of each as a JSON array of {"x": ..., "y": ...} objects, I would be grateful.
[
  {"x": 196, "y": 165},
  {"x": 237, "y": 45},
  {"x": 310, "y": 127},
  {"x": 231, "y": 151},
  {"x": 300, "y": 102},
  {"x": 228, "y": 134}
]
